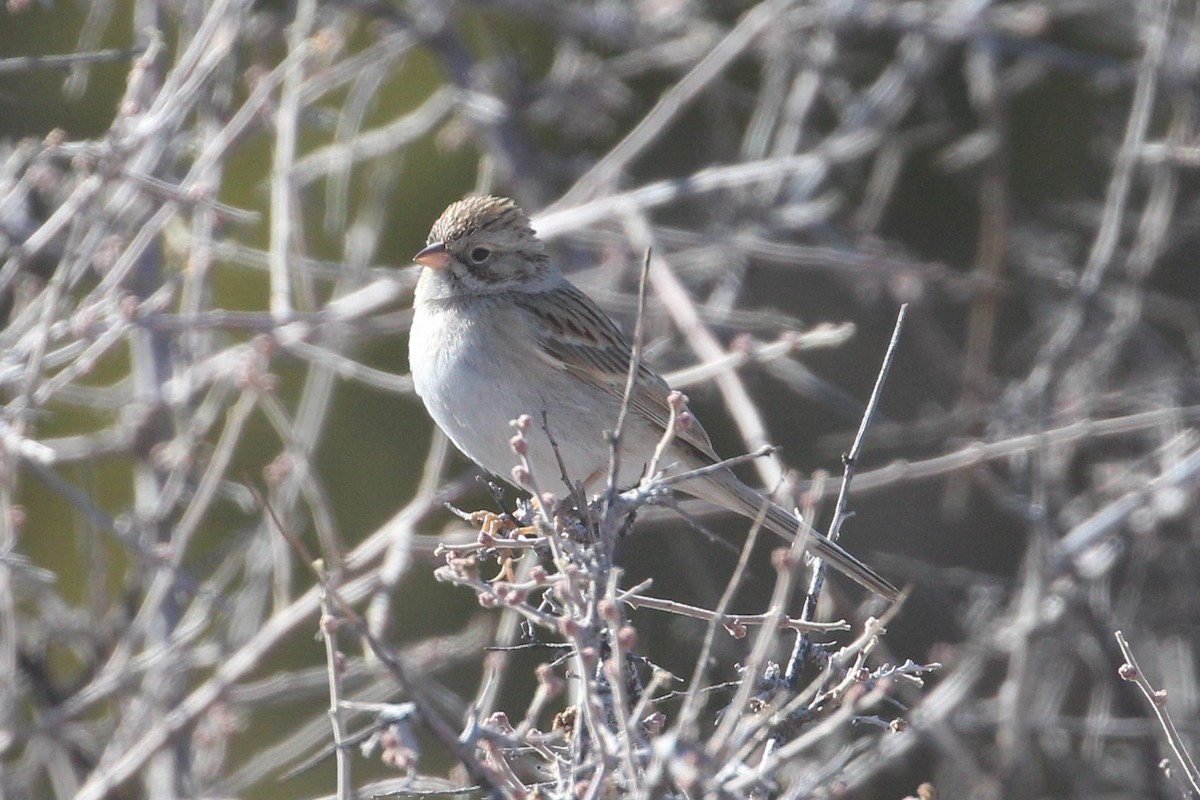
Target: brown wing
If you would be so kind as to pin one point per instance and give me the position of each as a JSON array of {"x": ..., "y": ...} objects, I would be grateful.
[{"x": 582, "y": 339}]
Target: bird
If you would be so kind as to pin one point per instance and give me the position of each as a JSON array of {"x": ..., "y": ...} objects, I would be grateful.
[{"x": 499, "y": 332}]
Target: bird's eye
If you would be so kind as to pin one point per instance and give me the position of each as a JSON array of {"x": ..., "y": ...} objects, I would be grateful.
[{"x": 480, "y": 254}]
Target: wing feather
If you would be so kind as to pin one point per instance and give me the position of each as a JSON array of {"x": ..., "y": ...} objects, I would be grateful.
[{"x": 577, "y": 336}]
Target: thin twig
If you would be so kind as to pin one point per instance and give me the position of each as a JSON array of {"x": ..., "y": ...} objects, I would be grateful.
[
  {"x": 334, "y": 664},
  {"x": 803, "y": 645},
  {"x": 631, "y": 379},
  {"x": 733, "y": 622},
  {"x": 1157, "y": 698},
  {"x": 68, "y": 60}
]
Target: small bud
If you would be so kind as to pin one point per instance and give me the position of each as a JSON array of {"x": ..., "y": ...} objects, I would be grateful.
[
  {"x": 519, "y": 445},
  {"x": 1128, "y": 672},
  {"x": 782, "y": 559},
  {"x": 589, "y": 656},
  {"x": 627, "y": 637},
  {"x": 1160, "y": 698},
  {"x": 522, "y": 423},
  {"x": 522, "y": 477},
  {"x": 511, "y": 595},
  {"x": 736, "y": 629},
  {"x": 567, "y": 626},
  {"x": 487, "y": 600},
  {"x": 82, "y": 321},
  {"x": 684, "y": 421},
  {"x": 468, "y": 567},
  {"x": 499, "y": 721},
  {"x": 608, "y": 610}
]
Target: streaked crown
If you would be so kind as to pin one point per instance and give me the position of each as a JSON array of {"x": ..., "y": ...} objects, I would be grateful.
[
  {"x": 489, "y": 246},
  {"x": 481, "y": 213}
]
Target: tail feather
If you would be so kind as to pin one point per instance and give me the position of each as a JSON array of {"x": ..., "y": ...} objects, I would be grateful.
[
  {"x": 788, "y": 526},
  {"x": 731, "y": 493}
]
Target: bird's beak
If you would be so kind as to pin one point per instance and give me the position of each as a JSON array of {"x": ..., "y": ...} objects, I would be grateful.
[{"x": 434, "y": 256}]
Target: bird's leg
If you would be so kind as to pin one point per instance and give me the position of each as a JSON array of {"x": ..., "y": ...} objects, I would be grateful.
[{"x": 501, "y": 526}]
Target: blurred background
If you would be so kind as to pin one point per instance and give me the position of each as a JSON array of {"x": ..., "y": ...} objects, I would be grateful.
[{"x": 207, "y": 218}]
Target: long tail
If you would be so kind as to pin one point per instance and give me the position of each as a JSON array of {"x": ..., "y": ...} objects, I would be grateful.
[
  {"x": 730, "y": 492},
  {"x": 788, "y": 526}
]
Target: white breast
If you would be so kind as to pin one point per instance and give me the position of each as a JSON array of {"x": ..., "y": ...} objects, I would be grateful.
[{"x": 476, "y": 372}]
